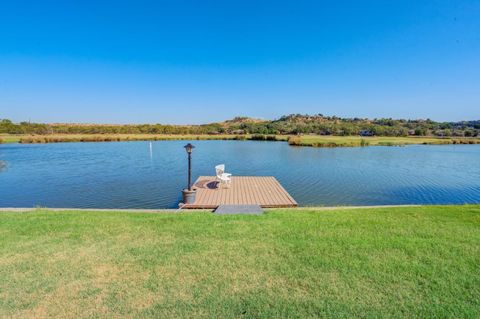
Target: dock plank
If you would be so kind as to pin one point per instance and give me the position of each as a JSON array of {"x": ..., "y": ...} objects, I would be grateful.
[{"x": 265, "y": 191}]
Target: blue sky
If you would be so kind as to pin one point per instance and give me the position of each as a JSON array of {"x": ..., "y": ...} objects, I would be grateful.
[{"x": 205, "y": 61}]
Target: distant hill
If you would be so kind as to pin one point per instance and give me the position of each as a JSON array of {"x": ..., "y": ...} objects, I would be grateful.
[
  {"x": 242, "y": 120},
  {"x": 292, "y": 124}
]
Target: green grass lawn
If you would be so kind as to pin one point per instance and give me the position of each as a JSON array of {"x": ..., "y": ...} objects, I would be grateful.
[
  {"x": 384, "y": 262},
  {"x": 7, "y": 138},
  {"x": 352, "y": 141}
]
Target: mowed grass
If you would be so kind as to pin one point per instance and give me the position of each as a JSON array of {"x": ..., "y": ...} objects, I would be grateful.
[
  {"x": 299, "y": 263},
  {"x": 352, "y": 141}
]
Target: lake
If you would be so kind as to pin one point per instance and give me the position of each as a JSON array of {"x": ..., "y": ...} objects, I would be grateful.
[{"x": 133, "y": 175}]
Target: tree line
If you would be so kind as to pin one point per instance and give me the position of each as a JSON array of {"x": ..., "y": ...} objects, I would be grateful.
[{"x": 294, "y": 124}]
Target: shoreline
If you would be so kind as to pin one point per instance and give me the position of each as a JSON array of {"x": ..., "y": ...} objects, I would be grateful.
[
  {"x": 179, "y": 210},
  {"x": 322, "y": 141}
]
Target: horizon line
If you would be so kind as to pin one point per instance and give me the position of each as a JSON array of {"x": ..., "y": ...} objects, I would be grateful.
[{"x": 235, "y": 117}]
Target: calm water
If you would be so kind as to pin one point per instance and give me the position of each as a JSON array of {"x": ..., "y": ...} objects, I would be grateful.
[{"x": 129, "y": 175}]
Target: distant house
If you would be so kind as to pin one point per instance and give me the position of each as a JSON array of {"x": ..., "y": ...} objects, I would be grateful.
[
  {"x": 366, "y": 133},
  {"x": 239, "y": 132}
]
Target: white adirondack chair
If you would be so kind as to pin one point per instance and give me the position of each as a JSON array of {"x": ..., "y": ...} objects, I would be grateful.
[{"x": 222, "y": 177}]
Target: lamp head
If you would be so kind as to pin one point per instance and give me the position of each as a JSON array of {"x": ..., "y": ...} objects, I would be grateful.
[{"x": 189, "y": 147}]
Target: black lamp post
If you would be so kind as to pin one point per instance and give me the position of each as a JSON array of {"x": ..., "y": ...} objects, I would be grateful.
[
  {"x": 189, "y": 147},
  {"x": 189, "y": 193}
]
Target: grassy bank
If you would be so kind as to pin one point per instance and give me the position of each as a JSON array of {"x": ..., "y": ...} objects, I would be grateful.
[
  {"x": 383, "y": 262},
  {"x": 60, "y": 138},
  {"x": 354, "y": 141},
  {"x": 7, "y": 138},
  {"x": 304, "y": 140}
]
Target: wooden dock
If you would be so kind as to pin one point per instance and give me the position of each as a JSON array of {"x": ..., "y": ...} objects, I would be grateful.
[{"x": 265, "y": 191}]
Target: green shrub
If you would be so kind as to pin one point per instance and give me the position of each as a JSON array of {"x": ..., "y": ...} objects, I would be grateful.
[
  {"x": 325, "y": 144},
  {"x": 364, "y": 142},
  {"x": 294, "y": 141},
  {"x": 386, "y": 143}
]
